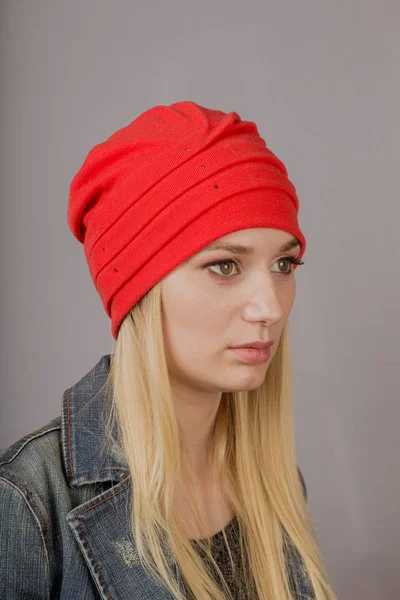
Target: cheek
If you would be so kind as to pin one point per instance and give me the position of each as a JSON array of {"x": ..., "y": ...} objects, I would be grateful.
[
  {"x": 290, "y": 297},
  {"x": 194, "y": 321}
]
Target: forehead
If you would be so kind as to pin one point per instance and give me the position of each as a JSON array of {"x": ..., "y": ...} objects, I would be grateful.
[{"x": 248, "y": 237}]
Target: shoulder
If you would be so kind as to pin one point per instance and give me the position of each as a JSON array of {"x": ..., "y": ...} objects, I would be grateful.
[
  {"x": 34, "y": 458},
  {"x": 31, "y": 469},
  {"x": 34, "y": 468},
  {"x": 9, "y": 453}
]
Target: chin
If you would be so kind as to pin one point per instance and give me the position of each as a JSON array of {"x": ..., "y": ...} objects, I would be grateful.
[{"x": 247, "y": 383}]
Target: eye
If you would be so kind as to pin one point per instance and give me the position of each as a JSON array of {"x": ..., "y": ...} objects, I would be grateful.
[
  {"x": 291, "y": 261},
  {"x": 226, "y": 273},
  {"x": 222, "y": 263}
]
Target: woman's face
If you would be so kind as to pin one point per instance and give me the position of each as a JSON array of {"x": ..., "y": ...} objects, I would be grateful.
[{"x": 209, "y": 308}]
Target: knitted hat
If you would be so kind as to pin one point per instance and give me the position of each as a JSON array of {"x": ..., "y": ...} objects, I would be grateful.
[{"x": 157, "y": 191}]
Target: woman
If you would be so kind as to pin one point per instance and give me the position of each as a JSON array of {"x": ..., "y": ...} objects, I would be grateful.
[{"x": 171, "y": 472}]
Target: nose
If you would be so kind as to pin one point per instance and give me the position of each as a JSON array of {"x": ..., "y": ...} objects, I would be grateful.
[{"x": 268, "y": 304}]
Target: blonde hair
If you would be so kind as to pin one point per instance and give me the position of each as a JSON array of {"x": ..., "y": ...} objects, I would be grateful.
[{"x": 253, "y": 452}]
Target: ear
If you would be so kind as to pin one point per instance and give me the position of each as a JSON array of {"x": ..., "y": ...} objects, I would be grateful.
[{"x": 303, "y": 483}]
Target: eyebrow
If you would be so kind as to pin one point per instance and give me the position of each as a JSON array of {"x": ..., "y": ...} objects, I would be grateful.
[{"x": 239, "y": 249}]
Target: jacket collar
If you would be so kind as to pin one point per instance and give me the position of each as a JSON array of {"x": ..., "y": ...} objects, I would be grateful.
[{"x": 84, "y": 406}]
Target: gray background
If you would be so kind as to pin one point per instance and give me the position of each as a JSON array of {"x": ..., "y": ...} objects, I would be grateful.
[{"x": 321, "y": 80}]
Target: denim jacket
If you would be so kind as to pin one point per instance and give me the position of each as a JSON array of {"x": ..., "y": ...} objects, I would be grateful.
[{"x": 63, "y": 510}]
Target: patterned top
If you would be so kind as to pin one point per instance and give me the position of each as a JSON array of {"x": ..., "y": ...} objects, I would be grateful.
[
  {"x": 299, "y": 582},
  {"x": 221, "y": 557}
]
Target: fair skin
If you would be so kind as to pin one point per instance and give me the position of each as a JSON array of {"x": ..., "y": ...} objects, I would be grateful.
[{"x": 206, "y": 310}]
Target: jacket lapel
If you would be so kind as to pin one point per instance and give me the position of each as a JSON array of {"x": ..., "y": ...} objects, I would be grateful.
[
  {"x": 101, "y": 524},
  {"x": 100, "y": 527}
]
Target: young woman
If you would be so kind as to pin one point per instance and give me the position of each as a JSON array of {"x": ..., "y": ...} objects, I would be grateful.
[{"x": 171, "y": 472}]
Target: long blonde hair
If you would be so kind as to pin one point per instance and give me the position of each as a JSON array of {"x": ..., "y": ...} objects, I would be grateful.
[{"x": 253, "y": 452}]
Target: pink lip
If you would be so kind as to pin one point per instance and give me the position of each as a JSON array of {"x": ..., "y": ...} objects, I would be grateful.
[
  {"x": 252, "y": 355},
  {"x": 257, "y": 344}
]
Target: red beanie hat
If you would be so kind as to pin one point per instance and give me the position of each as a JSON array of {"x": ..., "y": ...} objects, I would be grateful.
[{"x": 157, "y": 191}]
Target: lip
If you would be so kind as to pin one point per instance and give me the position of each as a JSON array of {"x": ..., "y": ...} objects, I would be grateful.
[
  {"x": 253, "y": 356},
  {"x": 257, "y": 344}
]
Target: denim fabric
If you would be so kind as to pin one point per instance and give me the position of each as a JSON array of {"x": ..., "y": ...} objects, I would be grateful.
[{"x": 63, "y": 511}]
